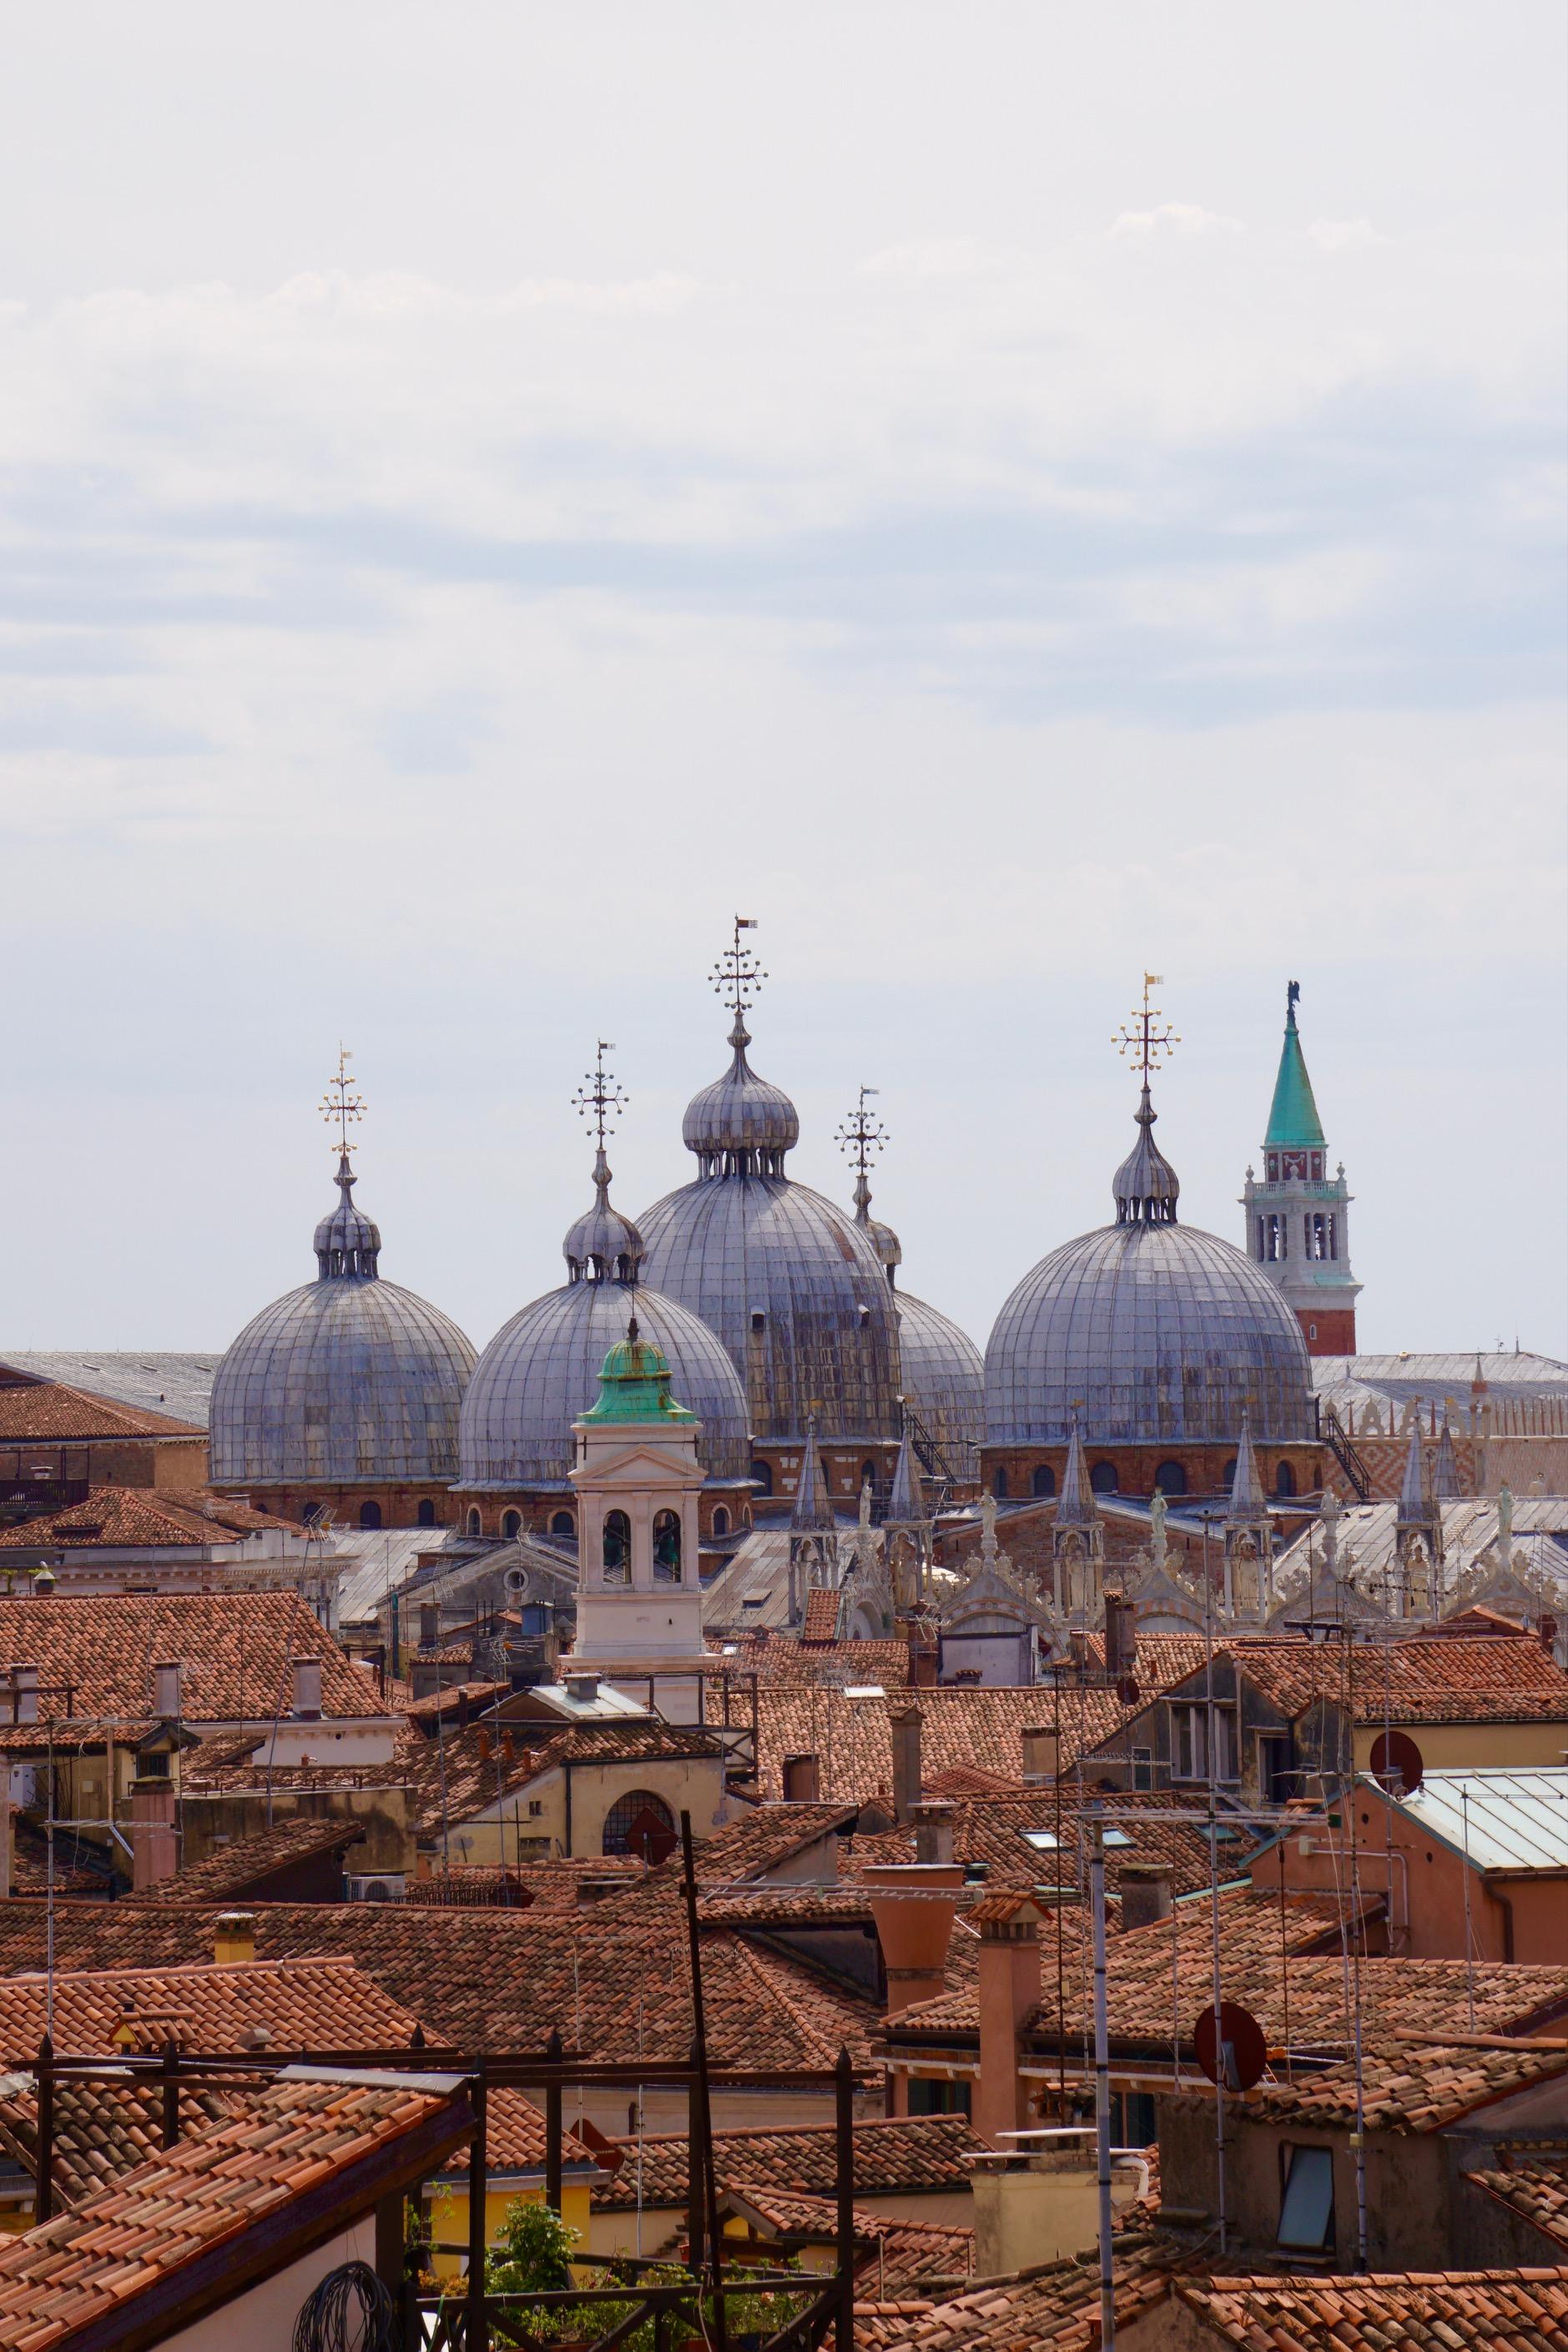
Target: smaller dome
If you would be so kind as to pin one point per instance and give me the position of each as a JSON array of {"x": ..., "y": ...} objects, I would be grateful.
[
  {"x": 1145, "y": 1186},
  {"x": 346, "y": 1241},
  {"x": 634, "y": 1384},
  {"x": 602, "y": 1245},
  {"x": 741, "y": 1125}
]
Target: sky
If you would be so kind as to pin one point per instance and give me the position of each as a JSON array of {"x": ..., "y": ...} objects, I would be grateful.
[{"x": 1011, "y": 496}]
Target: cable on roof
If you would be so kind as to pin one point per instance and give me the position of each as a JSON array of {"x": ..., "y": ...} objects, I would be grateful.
[{"x": 350, "y": 2311}]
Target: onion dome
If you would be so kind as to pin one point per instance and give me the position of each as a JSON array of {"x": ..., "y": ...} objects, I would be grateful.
[
  {"x": 1163, "y": 1332},
  {"x": 791, "y": 1284},
  {"x": 348, "y": 1381},
  {"x": 944, "y": 1376},
  {"x": 741, "y": 1125},
  {"x": 542, "y": 1371}
]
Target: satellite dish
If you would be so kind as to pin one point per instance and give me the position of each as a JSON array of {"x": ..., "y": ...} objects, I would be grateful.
[
  {"x": 1397, "y": 1763},
  {"x": 1234, "y": 2053}
]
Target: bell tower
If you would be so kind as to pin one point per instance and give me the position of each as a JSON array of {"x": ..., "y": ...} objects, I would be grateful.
[
  {"x": 638, "y": 1480},
  {"x": 1298, "y": 1218}
]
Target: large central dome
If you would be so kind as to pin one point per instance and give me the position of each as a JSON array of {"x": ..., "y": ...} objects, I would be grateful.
[
  {"x": 1151, "y": 1330},
  {"x": 791, "y": 1284}
]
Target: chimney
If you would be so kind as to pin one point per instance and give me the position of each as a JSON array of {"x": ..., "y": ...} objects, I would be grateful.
[
  {"x": 1008, "y": 1989},
  {"x": 166, "y": 1689},
  {"x": 1148, "y": 1891},
  {"x": 1121, "y": 1635},
  {"x": 933, "y": 1830},
  {"x": 508, "y": 1752},
  {"x": 24, "y": 1683},
  {"x": 483, "y": 1744},
  {"x": 308, "y": 1689},
  {"x": 1078, "y": 1650},
  {"x": 1041, "y": 1753},
  {"x": 154, "y": 1854},
  {"x": 233, "y": 1938},
  {"x": 906, "y": 1726},
  {"x": 430, "y": 1625},
  {"x": 913, "y": 1904},
  {"x": 7, "y": 1832},
  {"x": 802, "y": 1780},
  {"x": 922, "y": 1666},
  {"x": 582, "y": 1688}
]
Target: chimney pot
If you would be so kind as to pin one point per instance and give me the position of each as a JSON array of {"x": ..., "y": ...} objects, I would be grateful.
[
  {"x": 483, "y": 1744},
  {"x": 166, "y": 1689},
  {"x": 508, "y": 1751},
  {"x": 905, "y": 1727},
  {"x": 1042, "y": 1748},
  {"x": 802, "y": 1780},
  {"x": 582, "y": 1688},
  {"x": 233, "y": 1937},
  {"x": 308, "y": 1689},
  {"x": 932, "y": 1823},
  {"x": 1148, "y": 1892}
]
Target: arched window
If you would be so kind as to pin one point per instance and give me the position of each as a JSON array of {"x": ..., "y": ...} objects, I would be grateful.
[
  {"x": 616, "y": 1549},
  {"x": 1102, "y": 1477},
  {"x": 667, "y": 1547},
  {"x": 511, "y": 1523},
  {"x": 634, "y": 1817},
  {"x": 370, "y": 1515},
  {"x": 1284, "y": 1479},
  {"x": 426, "y": 1515},
  {"x": 999, "y": 1482},
  {"x": 1044, "y": 1479},
  {"x": 721, "y": 1521},
  {"x": 562, "y": 1524},
  {"x": 762, "y": 1478},
  {"x": 474, "y": 1521},
  {"x": 1171, "y": 1478}
]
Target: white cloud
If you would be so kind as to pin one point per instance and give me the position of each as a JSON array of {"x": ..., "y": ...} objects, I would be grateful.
[
  {"x": 1185, "y": 220},
  {"x": 1336, "y": 235}
]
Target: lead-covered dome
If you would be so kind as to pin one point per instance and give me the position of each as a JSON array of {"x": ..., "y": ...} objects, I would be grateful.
[
  {"x": 350, "y": 1379},
  {"x": 541, "y": 1371},
  {"x": 742, "y": 1125},
  {"x": 1152, "y": 1329},
  {"x": 944, "y": 1377}
]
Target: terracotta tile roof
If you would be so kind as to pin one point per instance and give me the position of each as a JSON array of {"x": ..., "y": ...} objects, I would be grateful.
[
  {"x": 762, "y": 1836},
  {"x": 100, "y": 2130},
  {"x": 969, "y": 1780},
  {"x": 501, "y": 1980},
  {"x": 306, "y": 2004},
  {"x": 990, "y": 1830},
  {"x": 1397, "y": 1995},
  {"x": 1055, "y": 2303},
  {"x": 899, "y": 2254},
  {"x": 235, "y": 1649},
  {"x": 451, "y": 1779},
  {"x": 1412, "y": 2085},
  {"x": 1533, "y": 2183},
  {"x": 132, "y": 1516},
  {"x": 441, "y": 1706},
  {"x": 516, "y": 2139},
  {"x": 821, "y": 1623},
  {"x": 801, "y": 1663},
  {"x": 1449, "y": 2310},
  {"x": 915, "y": 2156},
  {"x": 1486, "y": 1679},
  {"x": 231, "y": 1870},
  {"x": 853, "y": 1743},
  {"x": 53, "y": 1413},
  {"x": 761, "y": 1907},
  {"x": 139, "y": 2232}
]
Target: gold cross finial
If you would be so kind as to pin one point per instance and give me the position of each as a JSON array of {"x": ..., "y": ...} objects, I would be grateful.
[
  {"x": 341, "y": 1105},
  {"x": 1148, "y": 1042},
  {"x": 599, "y": 1096},
  {"x": 737, "y": 975}
]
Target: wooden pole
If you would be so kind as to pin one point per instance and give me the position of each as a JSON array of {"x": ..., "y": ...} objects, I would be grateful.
[
  {"x": 552, "y": 2126},
  {"x": 844, "y": 2149},
  {"x": 699, "y": 2092},
  {"x": 477, "y": 2333}
]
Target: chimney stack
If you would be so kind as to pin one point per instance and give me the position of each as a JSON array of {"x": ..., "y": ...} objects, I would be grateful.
[
  {"x": 166, "y": 1689},
  {"x": 1148, "y": 1892},
  {"x": 922, "y": 1666},
  {"x": 233, "y": 1938},
  {"x": 483, "y": 1744},
  {"x": 906, "y": 1726},
  {"x": 154, "y": 1854},
  {"x": 308, "y": 1689},
  {"x": 430, "y": 1625},
  {"x": 24, "y": 1683},
  {"x": 913, "y": 1904},
  {"x": 1008, "y": 1989},
  {"x": 1121, "y": 1635},
  {"x": 802, "y": 1780},
  {"x": 1041, "y": 1752},
  {"x": 933, "y": 1830}
]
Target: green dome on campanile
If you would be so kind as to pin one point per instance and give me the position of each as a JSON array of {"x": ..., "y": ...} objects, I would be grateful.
[
  {"x": 634, "y": 1384},
  {"x": 1294, "y": 1113}
]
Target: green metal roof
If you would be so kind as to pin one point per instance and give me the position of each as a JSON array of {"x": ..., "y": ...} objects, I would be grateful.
[
  {"x": 1292, "y": 1115},
  {"x": 634, "y": 1384}
]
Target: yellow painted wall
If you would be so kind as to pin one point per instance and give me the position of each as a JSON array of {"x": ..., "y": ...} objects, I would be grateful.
[
  {"x": 1476, "y": 1747},
  {"x": 449, "y": 2217},
  {"x": 685, "y": 1784}
]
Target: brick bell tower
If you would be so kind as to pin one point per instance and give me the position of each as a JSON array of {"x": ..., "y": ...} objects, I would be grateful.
[{"x": 1298, "y": 1218}]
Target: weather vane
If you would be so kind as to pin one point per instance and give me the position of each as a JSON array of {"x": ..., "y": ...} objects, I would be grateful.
[
  {"x": 341, "y": 1105},
  {"x": 737, "y": 975},
  {"x": 862, "y": 1134},
  {"x": 599, "y": 1096},
  {"x": 1147, "y": 1042}
]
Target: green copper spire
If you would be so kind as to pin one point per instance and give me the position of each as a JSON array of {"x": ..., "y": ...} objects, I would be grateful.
[
  {"x": 1292, "y": 1115},
  {"x": 634, "y": 1384}
]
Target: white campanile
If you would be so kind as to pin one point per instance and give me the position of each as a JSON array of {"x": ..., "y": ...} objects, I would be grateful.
[
  {"x": 1298, "y": 1218},
  {"x": 638, "y": 1481}
]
